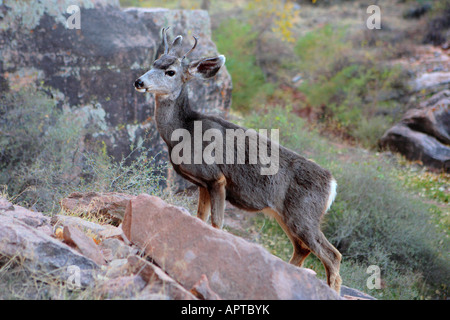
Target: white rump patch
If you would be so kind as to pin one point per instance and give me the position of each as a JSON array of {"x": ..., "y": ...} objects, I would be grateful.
[{"x": 332, "y": 194}]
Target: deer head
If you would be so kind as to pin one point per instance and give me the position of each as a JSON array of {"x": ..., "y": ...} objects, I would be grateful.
[{"x": 171, "y": 70}]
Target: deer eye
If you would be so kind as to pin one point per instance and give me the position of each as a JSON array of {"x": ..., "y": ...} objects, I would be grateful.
[{"x": 170, "y": 73}]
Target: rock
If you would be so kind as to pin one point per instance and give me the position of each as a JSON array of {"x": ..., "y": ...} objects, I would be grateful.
[
  {"x": 117, "y": 268},
  {"x": 111, "y": 232},
  {"x": 125, "y": 287},
  {"x": 187, "y": 248},
  {"x": 157, "y": 280},
  {"x": 41, "y": 253},
  {"x": 431, "y": 82},
  {"x": 111, "y": 205},
  {"x": 31, "y": 218},
  {"x": 432, "y": 117},
  {"x": 423, "y": 133},
  {"x": 353, "y": 294},
  {"x": 5, "y": 205},
  {"x": 415, "y": 146},
  {"x": 82, "y": 224},
  {"x": 417, "y": 11},
  {"x": 75, "y": 237},
  {"x": 203, "y": 291},
  {"x": 117, "y": 249},
  {"x": 91, "y": 71},
  {"x": 149, "y": 295}
]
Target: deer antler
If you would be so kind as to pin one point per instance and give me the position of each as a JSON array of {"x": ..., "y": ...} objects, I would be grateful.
[
  {"x": 166, "y": 45},
  {"x": 192, "y": 49}
]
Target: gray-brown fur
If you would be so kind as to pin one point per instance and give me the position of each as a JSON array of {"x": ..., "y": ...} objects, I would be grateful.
[{"x": 296, "y": 196}]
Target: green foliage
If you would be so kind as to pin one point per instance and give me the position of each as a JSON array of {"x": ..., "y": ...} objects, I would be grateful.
[
  {"x": 293, "y": 130},
  {"x": 368, "y": 131},
  {"x": 24, "y": 129},
  {"x": 236, "y": 40},
  {"x": 142, "y": 175},
  {"x": 374, "y": 214},
  {"x": 320, "y": 50},
  {"x": 350, "y": 88},
  {"x": 39, "y": 145}
]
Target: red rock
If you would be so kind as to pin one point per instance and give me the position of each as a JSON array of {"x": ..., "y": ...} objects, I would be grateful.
[
  {"x": 158, "y": 280},
  {"x": 187, "y": 248},
  {"x": 39, "y": 252},
  {"x": 33, "y": 219},
  {"x": 203, "y": 291},
  {"x": 86, "y": 246}
]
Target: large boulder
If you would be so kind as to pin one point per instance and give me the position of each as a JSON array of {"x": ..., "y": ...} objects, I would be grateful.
[
  {"x": 423, "y": 133},
  {"x": 189, "y": 249},
  {"x": 90, "y": 71},
  {"x": 431, "y": 117}
]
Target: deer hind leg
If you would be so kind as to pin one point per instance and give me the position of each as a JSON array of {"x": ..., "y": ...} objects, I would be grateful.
[
  {"x": 328, "y": 255},
  {"x": 217, "y": 195},
  {"x": 305, "y": 234},
  {"x": 300, "y": 252},
  {"x": 204, "y": 204}
]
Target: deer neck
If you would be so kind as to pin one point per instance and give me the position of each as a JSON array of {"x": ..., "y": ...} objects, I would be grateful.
[{"x": 172, "y": 113}]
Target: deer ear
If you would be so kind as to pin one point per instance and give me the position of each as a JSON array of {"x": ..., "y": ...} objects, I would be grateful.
[
  {"x": 175, "y": 47},
  {"x": 177, "y": 41},
  {"x": 206, "y": 68}
]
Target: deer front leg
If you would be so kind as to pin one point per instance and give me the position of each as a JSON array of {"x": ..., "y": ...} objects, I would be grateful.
[
  {"x": 217, "y": 196},
  {"x": 204, "y": 204}
]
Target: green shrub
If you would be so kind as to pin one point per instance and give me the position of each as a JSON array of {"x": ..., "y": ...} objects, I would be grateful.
[
  {"x": 39, "y": 147},
  {"x": 369, "y": 131},
  {"x": 373, "y": 214},
  {"x": 349, "y": 86},
  {"x": 142, "y": 175}
]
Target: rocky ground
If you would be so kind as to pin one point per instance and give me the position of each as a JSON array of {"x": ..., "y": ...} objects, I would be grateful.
[{"x": 144, "y": 249}]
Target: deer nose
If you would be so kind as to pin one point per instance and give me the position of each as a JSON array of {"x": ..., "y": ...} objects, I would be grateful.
[{"x": 138, "y": 83}]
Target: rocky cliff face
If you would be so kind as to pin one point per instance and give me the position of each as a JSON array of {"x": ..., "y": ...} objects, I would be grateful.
[{"x": 90, "y": 71}]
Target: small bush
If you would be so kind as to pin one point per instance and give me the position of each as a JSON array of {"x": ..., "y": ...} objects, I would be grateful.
[
  {"x": 369, "y": 131},
  {"x": 39, "y": 147},
  {"x": 142, "y": 175}
]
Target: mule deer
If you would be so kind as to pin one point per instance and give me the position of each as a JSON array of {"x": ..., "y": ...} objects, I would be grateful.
[{"x": 297, "y": 196}]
